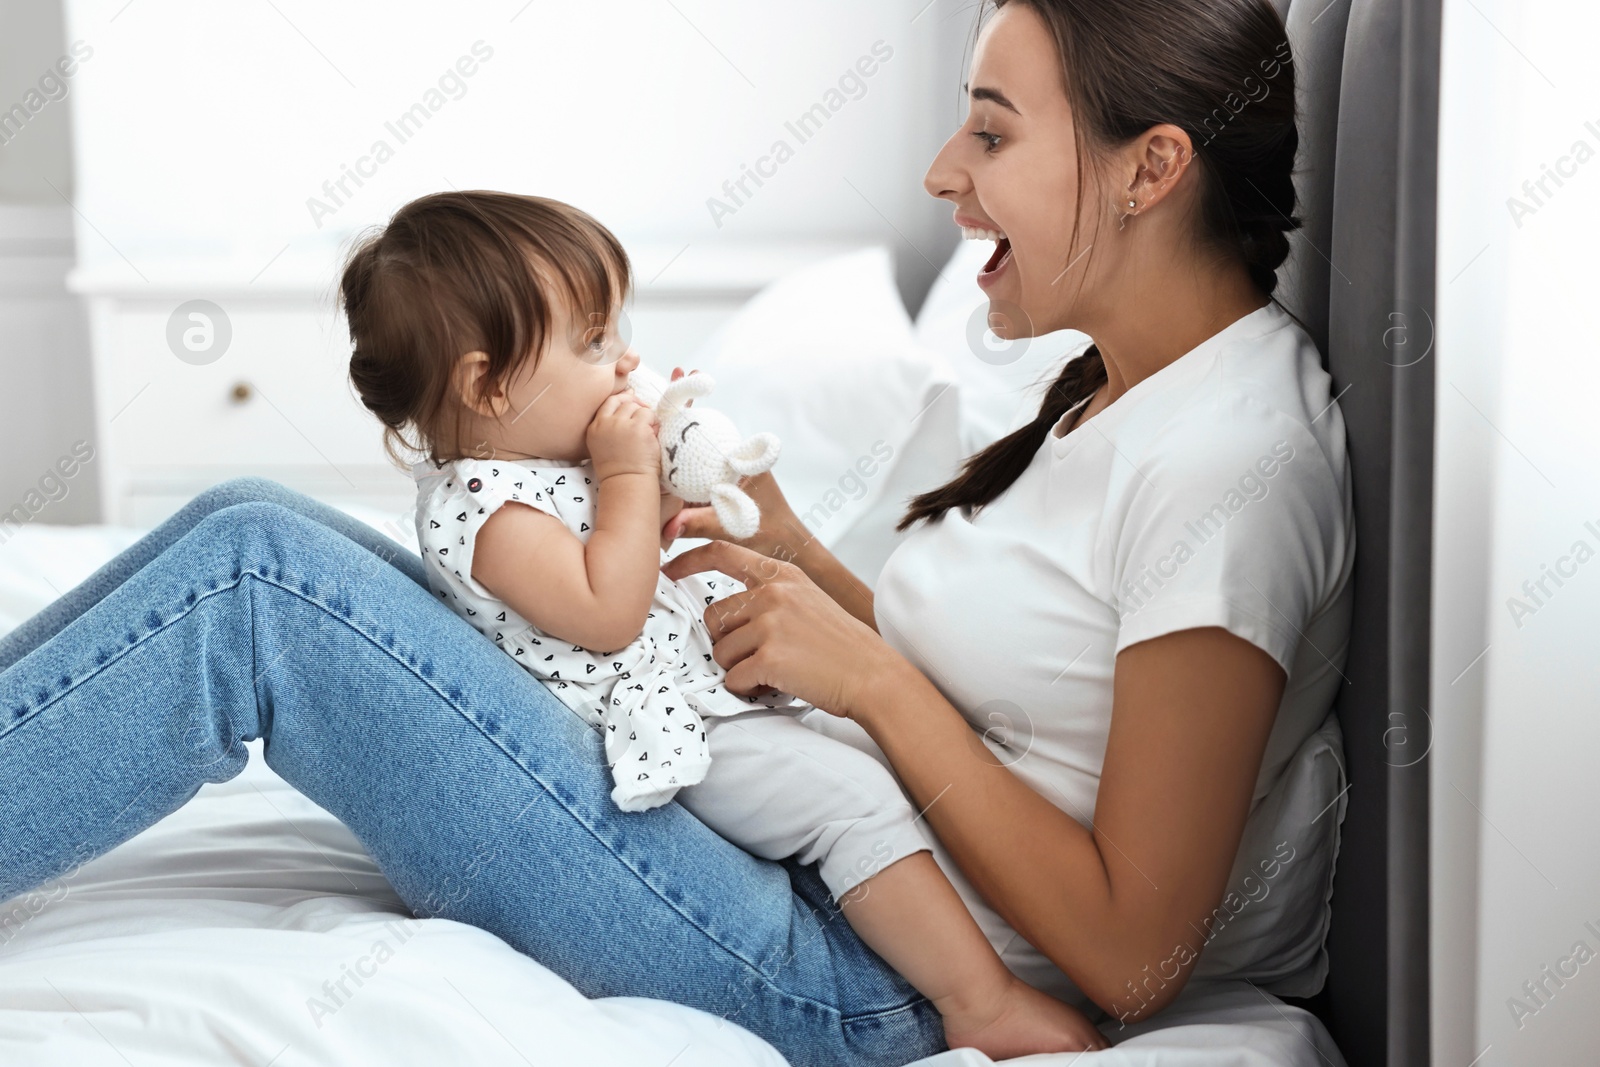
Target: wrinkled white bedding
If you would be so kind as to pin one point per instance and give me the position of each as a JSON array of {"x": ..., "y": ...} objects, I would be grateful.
[{"x": 220, "y": 935}]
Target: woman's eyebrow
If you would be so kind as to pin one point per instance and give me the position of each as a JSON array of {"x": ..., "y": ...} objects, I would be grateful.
[{"x": 994, "y": 96}]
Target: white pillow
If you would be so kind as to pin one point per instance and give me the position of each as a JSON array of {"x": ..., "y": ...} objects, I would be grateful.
[
  {"x": 825, "y": 359},
  {"x": 1002, "y": 382},
  {"x": 1272, "y": 925}
]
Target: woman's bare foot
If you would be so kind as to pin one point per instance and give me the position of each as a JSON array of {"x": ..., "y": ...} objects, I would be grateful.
[{"x": 1017, "y": 1020}]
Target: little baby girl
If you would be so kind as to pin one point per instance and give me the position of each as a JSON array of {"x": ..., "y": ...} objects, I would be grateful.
[{"x": 485, "y": 339}]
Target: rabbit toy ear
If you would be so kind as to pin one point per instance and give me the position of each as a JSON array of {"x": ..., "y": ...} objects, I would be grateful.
[
  {"x": 685, "y": 389},
  {"x": 754, "y": 454},
  {"x": 738, "y": 514}
]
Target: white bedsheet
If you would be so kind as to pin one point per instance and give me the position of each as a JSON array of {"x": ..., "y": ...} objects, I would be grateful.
[{"x": 221, "y": 936}]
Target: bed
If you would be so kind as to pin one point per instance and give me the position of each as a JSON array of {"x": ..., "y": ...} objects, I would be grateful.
[
  {"x": 251, "y": 927},
  {"x": 230, "y": 931}
]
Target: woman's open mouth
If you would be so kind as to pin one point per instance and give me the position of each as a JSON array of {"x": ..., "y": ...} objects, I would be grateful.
[{"x": 998, "y": 261}]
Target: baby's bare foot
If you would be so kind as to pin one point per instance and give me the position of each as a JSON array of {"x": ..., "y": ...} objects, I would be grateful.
[{"x": 1018, "y": 1021}]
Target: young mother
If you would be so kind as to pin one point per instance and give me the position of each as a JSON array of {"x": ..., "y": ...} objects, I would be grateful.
[{"x": 1144, "y": 574}]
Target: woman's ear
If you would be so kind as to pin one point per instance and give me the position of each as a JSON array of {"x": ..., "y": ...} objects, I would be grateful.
[
  {"x": 469, "y": 380},
  {"x": 1160, "y": 158}
]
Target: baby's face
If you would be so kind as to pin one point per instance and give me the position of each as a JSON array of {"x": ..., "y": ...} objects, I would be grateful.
[{"x": 552, "y": 404}]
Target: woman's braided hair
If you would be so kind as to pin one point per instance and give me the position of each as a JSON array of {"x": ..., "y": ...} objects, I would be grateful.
[{"x": 1220, "y": 70}]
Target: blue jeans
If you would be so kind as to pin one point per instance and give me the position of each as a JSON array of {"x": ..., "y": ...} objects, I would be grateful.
[{"x": 256, "y": 612}]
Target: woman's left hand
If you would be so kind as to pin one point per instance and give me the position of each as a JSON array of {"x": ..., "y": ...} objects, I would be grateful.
[
  {"x": 670, "y": 506},
  {"x": 783, "y": 632}
]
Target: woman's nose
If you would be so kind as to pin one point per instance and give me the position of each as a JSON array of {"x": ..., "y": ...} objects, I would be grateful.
[{"x": 946, "y": 178}]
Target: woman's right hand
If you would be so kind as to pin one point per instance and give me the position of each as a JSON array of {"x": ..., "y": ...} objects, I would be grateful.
[{"x": 622, "y": 438}]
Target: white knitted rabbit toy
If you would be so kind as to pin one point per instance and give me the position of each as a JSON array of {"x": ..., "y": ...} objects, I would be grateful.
[{"x": 703, "y": 455}]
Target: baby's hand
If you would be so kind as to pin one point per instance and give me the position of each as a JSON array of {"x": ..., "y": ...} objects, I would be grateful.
[{"x": 622, "y": 438}]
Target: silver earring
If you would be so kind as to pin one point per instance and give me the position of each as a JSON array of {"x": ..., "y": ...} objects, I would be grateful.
[{"x": 1122, "y": 219}]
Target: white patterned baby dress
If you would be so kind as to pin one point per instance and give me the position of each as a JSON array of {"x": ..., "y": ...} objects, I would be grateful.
[{"x": 649, "y": 698}]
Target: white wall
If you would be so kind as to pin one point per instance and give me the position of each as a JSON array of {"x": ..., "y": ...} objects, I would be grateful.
[
  {"x": 1516, "y": 773},
  {"x": 44, "y": 357},
  {"x": 207, "y": 130}
]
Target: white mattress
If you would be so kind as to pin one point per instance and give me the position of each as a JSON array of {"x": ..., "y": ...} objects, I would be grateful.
[{"x": 209, "y": 939}]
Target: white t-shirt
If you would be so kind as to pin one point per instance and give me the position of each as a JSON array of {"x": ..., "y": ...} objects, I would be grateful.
[{"x": 1215, "y": 492}]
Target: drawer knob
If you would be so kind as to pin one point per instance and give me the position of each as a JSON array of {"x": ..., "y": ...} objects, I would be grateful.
[{"x": 241, "y": 393}]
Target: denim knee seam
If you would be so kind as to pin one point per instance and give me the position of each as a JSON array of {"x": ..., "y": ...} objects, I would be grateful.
[{"x": 20, "y": 717}]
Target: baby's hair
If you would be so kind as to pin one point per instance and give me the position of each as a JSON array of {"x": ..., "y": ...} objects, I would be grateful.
[{"x": 459, "y": 272}]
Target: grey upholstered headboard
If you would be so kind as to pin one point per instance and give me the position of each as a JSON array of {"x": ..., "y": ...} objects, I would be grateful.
[{"x": 1360, "y": 276}]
